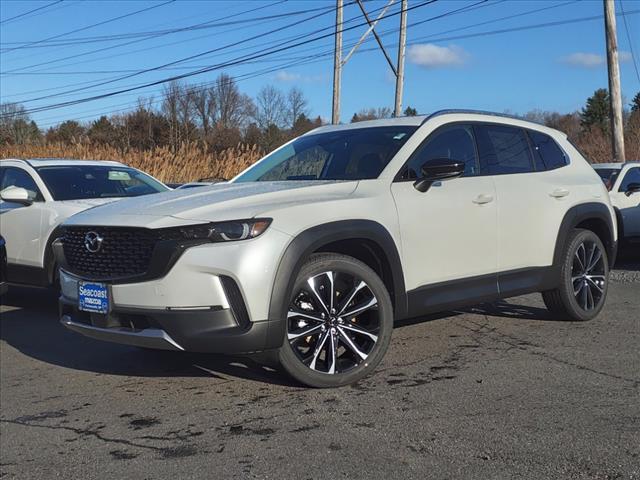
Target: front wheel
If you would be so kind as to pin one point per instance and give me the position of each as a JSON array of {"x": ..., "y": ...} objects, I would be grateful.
[
  {"x": 584, "y": 278},
  {"x": 339, "y": 322}
]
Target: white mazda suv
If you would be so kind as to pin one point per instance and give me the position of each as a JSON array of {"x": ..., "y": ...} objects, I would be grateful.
[
  {"x": 315, "y": 251},
  {"x": 37, "y": 195}
]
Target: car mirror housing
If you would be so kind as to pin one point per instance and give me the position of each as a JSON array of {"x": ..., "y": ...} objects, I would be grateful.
[
  {"x": 437, "y": 170},
  {"x": 632, "y": 188},
  {"x": 16, "y": 195}
]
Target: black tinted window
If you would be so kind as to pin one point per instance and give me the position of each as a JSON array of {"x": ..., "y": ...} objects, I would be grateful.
[
  {"x": 16, "y": 177},
  {"x": 69, "y": 182},
  {"x": 547, "y": 153},
  {"x": 632, "y": 176},
  {"x": 454, "y": 142},
  {"x": 350, "y": 154},
  {"x": 503, "y": 149}
]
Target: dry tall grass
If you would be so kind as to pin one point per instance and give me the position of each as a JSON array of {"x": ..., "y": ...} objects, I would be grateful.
[{"x": 189, "y": 163}]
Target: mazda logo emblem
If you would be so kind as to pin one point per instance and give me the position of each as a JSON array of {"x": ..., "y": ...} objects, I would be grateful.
[{"x": 92, "y": 242}]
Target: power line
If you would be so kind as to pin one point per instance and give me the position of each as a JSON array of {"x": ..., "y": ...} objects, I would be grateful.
[
  {"x": 519, "y": 29},
  {"x": 479, "y": 34},
  {"x": 31, "y": 11},
  {"x": 236, "y": 61},
  {"x": 466, "y": 9},
  {"x": 146, "y": 9},
  {"x": 312, "y": 59},
  {"x": 208, "y": 52},
  {"x": 626, "y": 27},
  {"x": 152, "y": 33},
  {"x": 112, "y": 47}
]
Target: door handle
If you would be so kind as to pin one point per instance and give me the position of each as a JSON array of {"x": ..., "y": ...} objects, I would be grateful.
[
  {"x": 482, "y": 199},
  {"x": 559, "y": 193}
]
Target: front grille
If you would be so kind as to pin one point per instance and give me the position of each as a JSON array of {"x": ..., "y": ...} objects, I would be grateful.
[{"x": 124, "y": 252}]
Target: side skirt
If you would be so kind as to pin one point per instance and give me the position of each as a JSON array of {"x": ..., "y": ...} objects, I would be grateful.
[
  {"x": 27, "y": 275},
  {"x": 483, "y": 288}
]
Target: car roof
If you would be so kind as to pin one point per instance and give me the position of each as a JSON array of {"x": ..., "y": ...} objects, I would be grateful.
[
  {"x": 51, "y": 162},
  {"x": 457, "y": 115},
  {"x": 616, "y": 165}
]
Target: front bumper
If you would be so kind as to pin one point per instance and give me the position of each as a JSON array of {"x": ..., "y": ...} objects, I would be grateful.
[
  {"x": 214, "y": 298},
  {"x": 214, "y": 330}
]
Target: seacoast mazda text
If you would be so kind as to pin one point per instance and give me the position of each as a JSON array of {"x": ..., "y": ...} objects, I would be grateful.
[{"x": 315, "y": 251}]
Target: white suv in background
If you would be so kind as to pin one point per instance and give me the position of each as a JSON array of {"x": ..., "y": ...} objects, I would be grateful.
[
  {"x": 623, "y": 182},
  {"x": 313, "y": 252},
  {"x": 37, "y": 195}
]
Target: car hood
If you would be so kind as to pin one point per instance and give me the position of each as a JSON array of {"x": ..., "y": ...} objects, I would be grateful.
[
  {"x": 84, "y": 203},
  {"x": 218, "y": 202}
]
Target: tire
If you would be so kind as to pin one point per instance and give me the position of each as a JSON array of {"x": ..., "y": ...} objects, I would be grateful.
[
  {"x": 584, "y": 278},
  {"x": 334, "y": 344}
]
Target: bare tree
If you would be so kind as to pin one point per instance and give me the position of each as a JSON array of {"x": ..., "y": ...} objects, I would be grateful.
[
  {"x": 371, "y": 114},
  {"x": 187, "y": 127},
  {"x": 170, "y": 108},
  {"x": 15, "y": 125},
  {"x": 232, "y": 107},
  {"x": 297, "y": 106},
  {"x": 203, "y": 102},
  {"x": 271, "y": 107}
]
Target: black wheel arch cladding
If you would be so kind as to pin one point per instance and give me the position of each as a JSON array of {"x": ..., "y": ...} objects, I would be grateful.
[
  {"x": 314, "y": 239},
  {"x": 592, "y": 216}
]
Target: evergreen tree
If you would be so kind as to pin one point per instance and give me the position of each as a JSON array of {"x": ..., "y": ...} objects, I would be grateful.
[
  {"x": 410, "y": 112},
  {"x": 635, "y": 103},
  {"x": 596, "y": 112}
]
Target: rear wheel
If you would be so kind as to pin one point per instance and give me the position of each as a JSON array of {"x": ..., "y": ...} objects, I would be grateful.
[
  {"x": 584, "y": 278},
  {"x": 339, "y": 322}
]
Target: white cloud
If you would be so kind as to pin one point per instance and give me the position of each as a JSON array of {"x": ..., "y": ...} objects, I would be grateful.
[
  {"x": 284, "y": 76},
  {"x": 584, "y": 60},
  {"x": 592, "y": 60},
  {"x": 429, "y": 55}
]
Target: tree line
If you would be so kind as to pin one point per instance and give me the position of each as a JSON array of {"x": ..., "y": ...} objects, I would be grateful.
[{"x": 218, "y": 116}]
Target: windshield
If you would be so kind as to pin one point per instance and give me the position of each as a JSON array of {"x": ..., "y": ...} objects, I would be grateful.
[
  {"x": 608, "y": 176},
  {"x": 71, "y": 182},
  {"x": 354, "y": 154}
]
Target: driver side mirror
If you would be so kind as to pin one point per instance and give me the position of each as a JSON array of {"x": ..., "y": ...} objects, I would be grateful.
[
  {"x": 16, "y": 195},
  {"x": 437, "y": 170},
  {"x": 632, "y": 188}
]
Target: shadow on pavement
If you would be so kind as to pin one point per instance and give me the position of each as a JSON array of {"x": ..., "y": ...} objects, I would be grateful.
[
  {"x": 505, "y": 309},
  {"x": 33, "y": 329}
]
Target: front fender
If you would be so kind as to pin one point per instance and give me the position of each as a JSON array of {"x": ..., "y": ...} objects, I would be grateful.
[{"x": 310, "y": 241}]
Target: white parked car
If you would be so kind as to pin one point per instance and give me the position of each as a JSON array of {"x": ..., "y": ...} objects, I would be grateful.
[
  {"x": 623, "y": 182},
  {"x": 37, "y": 195},
  {"x": 313, "y": 252}
]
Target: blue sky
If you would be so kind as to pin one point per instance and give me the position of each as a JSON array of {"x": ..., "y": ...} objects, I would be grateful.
[{"x": 550, "y": 68}]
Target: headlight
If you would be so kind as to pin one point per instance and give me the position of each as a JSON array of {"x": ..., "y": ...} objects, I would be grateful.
[{"x": 227, "y": 231}]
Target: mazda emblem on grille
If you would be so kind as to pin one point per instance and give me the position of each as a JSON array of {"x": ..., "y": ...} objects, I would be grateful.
[{"x": 92, "y": 242}]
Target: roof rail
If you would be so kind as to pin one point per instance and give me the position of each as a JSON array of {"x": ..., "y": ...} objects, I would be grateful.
[{"x": 478, "y": 112}]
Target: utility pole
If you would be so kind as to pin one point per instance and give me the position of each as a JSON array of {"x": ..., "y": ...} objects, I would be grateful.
[
  {"x": 615, "y": 96},
  {"x": 337, "y": 66},
  {"x": 401, "y": 50}
]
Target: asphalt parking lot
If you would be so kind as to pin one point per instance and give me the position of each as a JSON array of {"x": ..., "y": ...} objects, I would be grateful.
[{"x": 498, "y": 391}]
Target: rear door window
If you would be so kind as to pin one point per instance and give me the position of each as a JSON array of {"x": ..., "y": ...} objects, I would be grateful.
[
  {"x": 503, "y": 150},
  {"x": 547, "y": 154}
]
